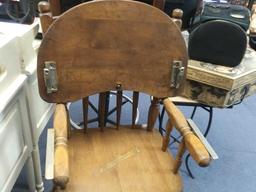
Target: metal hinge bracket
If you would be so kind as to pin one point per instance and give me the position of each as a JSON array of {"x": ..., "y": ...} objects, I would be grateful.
[
  {"x": 177, "y": 74},
  {"x": 50, "y": 76}
]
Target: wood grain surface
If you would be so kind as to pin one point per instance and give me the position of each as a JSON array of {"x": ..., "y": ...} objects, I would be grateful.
[
  {"x": 100, "y": 44},
  {"x": 108, "y": 161}
]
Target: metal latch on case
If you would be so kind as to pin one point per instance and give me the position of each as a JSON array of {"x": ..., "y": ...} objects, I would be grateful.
[
  {"x": 50, "y": 77},
  {"x": 177, "y": 74}
]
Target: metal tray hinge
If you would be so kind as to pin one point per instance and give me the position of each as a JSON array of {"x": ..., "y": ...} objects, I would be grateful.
[
  {"x": 50, "y": 77},
  {"x": 177, "y": 74}
]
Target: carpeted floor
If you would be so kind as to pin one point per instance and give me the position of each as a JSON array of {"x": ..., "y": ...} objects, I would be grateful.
[{"x": 233, "y": 135}]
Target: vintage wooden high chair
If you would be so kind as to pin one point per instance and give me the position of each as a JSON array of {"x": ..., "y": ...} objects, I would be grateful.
[{"x": 115, "y": 45}]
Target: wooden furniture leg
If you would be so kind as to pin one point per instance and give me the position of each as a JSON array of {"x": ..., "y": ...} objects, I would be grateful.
[
  {"x": 37, "y": 168},
  {"x": 119, "y": 96},
  {"x": 85, "y": 112},
  {"x": 178, "y": 159},
  {"x": 166, "y": 138},
  {"x": 30, "y": 174},
  {"x": 134, "y": 107},
  {"x": 153, "y": 113},
  {"x": 102, "y": 110}
]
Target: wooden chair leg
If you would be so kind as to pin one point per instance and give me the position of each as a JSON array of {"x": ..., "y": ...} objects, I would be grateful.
[
  {"x": 119, "y": 96},
  {"x": 102, "y": 109},
  {"x": 85, "y": 112},
  {"x": 166, "y": 138},
  {"x": 153, "y": 113},
  {"x": 178, "y": 159},
  {"x": 134, "y": 107}
]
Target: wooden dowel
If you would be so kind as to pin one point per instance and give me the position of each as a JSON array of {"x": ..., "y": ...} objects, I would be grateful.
[
  {"x": 153, "y": 113},
  {"x": 55, "y": 7},
  {"x": 134, "y": 107},
  {"x": 160, "y": 4},
  {"x": 68, "y": 122},
  {"x": 166, "y": 138},
  {"x": 178, "y": 159},
  {"x": 119, "y": 96},
  {"x": 45, "y": 15},
  {"x": 177, "y": 15},
  {"x": 85, "y": 112},
  {"x": 61, "y": 161},
  {"x": 102, "y": 107}
]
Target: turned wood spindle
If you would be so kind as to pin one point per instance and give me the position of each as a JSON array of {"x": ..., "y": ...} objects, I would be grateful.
[
  {"x": 85, "y": 112},
  {"x": 45, "y": 15},
  {"x": 177, "y": 15},
  {"x": 102, "y": 110},
  {"x": 119, "y": 96},
  {"x": 178, "y": 159},
  {"x": 55, "y": 7},
  {"x": 61, "y": 161},
  {"x": 68, "y": 122},
  {"x": 160, "y": 4},
  {"x": 135, "y": 102},
  {"x": 153, "y": 113},
  {"x": 166, "y": 138}
]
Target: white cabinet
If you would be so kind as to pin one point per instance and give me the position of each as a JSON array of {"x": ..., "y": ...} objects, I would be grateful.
[
  {"x": 23, "y": 114},
  {"x": 9, "y": 58},
  {"x": 15, "y": 137},
  {"x": 26, "y": 53}
]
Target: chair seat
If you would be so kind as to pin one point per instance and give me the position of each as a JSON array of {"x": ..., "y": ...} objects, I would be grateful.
[{"x": 127, "y": 160}]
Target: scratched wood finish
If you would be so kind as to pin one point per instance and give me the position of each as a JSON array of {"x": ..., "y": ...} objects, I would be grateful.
[
  {"x": 100, "y": 44},
  {"x": 108, "y": 161}
]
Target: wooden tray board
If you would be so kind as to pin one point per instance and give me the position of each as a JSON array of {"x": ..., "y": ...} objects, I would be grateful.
[{"x": 100, "y": 44}]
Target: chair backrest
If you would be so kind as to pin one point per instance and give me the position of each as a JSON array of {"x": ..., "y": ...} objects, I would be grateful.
[{"x": 108, "y": 45}]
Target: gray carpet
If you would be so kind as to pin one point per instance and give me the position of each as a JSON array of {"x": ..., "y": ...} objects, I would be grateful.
[{"x": 233, "y": 136}]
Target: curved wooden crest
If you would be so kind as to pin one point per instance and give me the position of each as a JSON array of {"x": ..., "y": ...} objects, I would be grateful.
[{"x": 100, "y": 45}]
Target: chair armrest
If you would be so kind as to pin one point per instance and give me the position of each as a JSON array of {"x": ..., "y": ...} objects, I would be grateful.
[
  {"x": 195, "y": 147},
  {"x": 61, "y": 162}
]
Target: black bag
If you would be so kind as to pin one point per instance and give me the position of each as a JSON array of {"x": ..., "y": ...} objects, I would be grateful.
[
  {"x": 237, "y": 14},
  {"x": 21, "y": 11},
  {"x": 218, "y": 42}
]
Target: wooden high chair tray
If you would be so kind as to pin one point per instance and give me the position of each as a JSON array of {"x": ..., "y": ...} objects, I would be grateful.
[
  {"x": 108, "y": 161},
  {"x": 100, "y": 45}
]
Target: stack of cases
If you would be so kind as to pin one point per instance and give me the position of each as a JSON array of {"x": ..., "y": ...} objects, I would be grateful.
[{"x": 219, "y": 86}]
